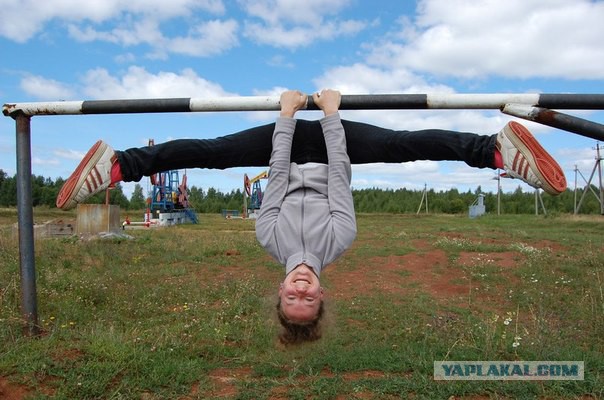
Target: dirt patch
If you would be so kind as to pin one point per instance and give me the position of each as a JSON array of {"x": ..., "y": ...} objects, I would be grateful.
[
  {"x": 69, "y": 354},
  {"x": 12, "y": 391},
  {"x": 353, "y": 376},
  {"x": 279, "y": 393},
  {"x": 548, "y": 244},
  {"x": 426, "y": 269},
  {"x": 430, "y": 270},
  {"x": 224, "y": 381}
]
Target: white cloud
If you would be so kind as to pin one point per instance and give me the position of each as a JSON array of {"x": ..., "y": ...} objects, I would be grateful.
[
  {"x": 127, "y": 58},
  {"x": 584, "y": 159},
  {"x": 308, "y": 12},
  {"x": 293, "y": 24},
  {"x": 281, "y": 23},
  {"x": 45, "y": 161},
  {"x": 139, "y": 83},
  {"x": 69, "y": 154},
  {"x": 20, "y": 21},
  {"x": 361, "y": 78},
  {"x": 300, "y": 36},
  {"x": 515, "y": 38},
  {"x": 280, "y": 61},
  {"x": 142, "y": 31},
  {"x": 210, "y": 38},
  {"x": 203, "y": 39},
  {"x": 46, "y": 89}
]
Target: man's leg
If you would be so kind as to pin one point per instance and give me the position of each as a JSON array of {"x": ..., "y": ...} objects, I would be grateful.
[
  {"x": 102, "y": 166},
  {"x": 370, "y": 144},
  {"x": 514, "y": 149},
  {"x": 248, "y": 148}
]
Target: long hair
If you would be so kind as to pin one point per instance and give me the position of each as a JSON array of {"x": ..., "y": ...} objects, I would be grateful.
[{"x": 299, "y": 332}]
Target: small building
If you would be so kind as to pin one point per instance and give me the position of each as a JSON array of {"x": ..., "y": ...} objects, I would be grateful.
[{"x": 477, "y": 208}]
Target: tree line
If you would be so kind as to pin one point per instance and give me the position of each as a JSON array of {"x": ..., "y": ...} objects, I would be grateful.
[{"x": 45, "y": 190}]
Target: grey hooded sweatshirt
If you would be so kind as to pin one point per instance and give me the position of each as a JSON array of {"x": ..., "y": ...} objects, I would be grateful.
[{"x": 307, "y": 213}]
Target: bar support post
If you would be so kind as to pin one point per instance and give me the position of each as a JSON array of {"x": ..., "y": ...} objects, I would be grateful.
[{"x": 29, "y": 308}]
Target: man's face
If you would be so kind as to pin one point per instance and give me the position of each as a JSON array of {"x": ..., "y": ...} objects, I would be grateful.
[{"x": 301, "y": 294}]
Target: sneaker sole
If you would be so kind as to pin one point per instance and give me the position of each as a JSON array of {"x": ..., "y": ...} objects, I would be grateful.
[
  {"x": 73, "y": 184},
  {"x": 546, "y": 168}
]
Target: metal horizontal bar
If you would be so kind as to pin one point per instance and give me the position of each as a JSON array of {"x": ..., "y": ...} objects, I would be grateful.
[
  {"x": 269, "y": 103},
  {"x": 135, "y": 106},
  {"x": 572, "y": 101}
]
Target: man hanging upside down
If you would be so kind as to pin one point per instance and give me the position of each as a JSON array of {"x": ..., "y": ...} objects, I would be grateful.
[{"x": 307, "y": 218}]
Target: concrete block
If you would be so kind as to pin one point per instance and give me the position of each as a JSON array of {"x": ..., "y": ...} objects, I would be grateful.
[{"x": 96, "y": 218}]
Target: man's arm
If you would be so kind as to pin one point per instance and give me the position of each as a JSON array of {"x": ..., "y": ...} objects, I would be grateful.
[
  {"x": 338, "y": 185},
  {"x": 278, "y": 177}
]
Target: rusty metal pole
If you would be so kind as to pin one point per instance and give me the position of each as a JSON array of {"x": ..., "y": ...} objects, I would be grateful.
[
  {"x": 556, "y": 119},
  {"x": 29, "y": 306}
]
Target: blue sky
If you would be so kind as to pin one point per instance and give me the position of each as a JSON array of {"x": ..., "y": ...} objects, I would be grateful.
[{"x": 110, "y": 49}]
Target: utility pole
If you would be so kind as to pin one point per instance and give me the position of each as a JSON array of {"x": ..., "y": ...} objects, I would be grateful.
[
  {"x": 539, "y": 201},
  {"x": 498, "y": 179},
  {"x": 575, "y": 200},
  {"x": 600, "y": 196},
  {"x": 599, "y": 163},
  {"x": 424, "y": 196}
]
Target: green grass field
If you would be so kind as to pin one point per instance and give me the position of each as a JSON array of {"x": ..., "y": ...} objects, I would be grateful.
[{"x": 187, "y": 312}]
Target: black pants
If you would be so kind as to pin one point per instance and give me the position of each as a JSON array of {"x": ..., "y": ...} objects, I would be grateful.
[{"x": 252, "y": 148}]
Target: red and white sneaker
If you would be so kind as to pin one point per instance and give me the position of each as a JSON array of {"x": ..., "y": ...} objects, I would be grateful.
[
  {"x": 525, "y": 159},
  {"x": 92, "y": 175}
]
